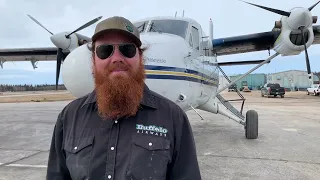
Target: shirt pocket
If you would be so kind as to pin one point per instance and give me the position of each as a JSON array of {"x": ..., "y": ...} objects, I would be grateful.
[
  {"x": 149, "y": 157},
  {"x": 78, "y": 156}
]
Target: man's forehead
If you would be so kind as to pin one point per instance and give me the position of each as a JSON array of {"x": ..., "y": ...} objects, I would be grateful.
[{"x": 114, "y": 37}]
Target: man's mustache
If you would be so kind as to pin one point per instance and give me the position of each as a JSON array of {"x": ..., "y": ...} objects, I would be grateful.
[{"x": 118, "y": 66}]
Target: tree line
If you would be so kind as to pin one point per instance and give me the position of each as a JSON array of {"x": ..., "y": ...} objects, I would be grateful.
[
  {"x": 26, "y": 87},
  {"x": 48, "y": 87}
]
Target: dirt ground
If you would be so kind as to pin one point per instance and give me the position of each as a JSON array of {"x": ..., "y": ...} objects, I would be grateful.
[
  {"x": 251, "y": 97},
  {"x": 35, "y": 96},
  {"x": 290, "y": 98}
]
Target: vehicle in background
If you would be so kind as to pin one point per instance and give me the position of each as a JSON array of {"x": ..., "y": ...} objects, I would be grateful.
[
  {"x": 314, "y": 89},
  {"x": 272, "y": 89},
  {"x": 246, "y": 89},
  {"x": 233, "y": 87},
  {"x": 243, "y": 85}
]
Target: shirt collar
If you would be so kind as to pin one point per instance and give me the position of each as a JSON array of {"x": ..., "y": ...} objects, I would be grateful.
[{"x": 148, "y": 99}]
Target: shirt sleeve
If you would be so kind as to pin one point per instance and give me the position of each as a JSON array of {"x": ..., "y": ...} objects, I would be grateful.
[
  {"x": 185, "y": 163},
  {"x": 57, "y": 169}
]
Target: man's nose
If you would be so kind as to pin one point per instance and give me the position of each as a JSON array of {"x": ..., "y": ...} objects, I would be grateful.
[{"x": 117, "y": 56}]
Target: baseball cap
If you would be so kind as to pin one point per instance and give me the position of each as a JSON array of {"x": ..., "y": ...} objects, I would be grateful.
[{"x": 120, "y": 24}]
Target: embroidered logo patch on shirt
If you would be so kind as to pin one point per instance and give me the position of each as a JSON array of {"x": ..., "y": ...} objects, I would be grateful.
[{"x": 151, "y": 129}]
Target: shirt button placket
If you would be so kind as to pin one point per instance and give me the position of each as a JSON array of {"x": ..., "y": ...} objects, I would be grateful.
[{"x": 112, "y": 152}]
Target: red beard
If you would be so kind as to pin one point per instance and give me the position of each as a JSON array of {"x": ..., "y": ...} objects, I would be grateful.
[{"x": 119, "y": 96}]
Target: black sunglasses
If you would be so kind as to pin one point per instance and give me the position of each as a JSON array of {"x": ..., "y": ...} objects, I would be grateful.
[{"x": 106, "y": 50}]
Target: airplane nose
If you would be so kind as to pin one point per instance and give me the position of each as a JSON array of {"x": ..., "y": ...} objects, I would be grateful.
[
  {"x": 60, "y": 41},
  {"x": 164, "y": 49},
  {"x": 160, "y": 38},
  {"x": 300, "y": 17}
]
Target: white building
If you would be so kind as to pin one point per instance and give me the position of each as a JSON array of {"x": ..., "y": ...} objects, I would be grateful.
[{"x": 293, "y": 79}]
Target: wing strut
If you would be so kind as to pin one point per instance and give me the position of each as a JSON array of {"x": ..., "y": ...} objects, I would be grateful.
[{"x": 253, "y": 69}]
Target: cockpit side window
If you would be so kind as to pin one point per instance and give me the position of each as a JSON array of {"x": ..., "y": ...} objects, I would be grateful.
[
  {"x": 141, "y": 26},
  {"x": 176, "y": 27},
  {"x": 195, "y": 37}
]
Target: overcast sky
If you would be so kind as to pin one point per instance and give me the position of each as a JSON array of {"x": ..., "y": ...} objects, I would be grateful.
[{"x": 230, "y": 18}]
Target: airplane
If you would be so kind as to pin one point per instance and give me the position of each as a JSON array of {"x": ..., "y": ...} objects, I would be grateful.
[{"x": 181, "y": 61}]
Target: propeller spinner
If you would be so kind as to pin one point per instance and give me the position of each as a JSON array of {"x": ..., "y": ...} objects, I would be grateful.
[
  {"x": 302, "y": 17},
  {"x": 57, "y": 41}
]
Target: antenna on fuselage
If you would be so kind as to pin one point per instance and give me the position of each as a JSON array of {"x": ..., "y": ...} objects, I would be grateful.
[
  {"x": 175, "y": 14},
  {"x": 183, "y": 13}
]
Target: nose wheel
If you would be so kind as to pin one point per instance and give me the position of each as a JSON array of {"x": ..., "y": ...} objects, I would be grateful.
[{"x": 251, "y": 126}]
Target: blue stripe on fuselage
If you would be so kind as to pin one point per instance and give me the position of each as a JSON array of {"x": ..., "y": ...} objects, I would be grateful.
[{"x": 213, "y": 81}]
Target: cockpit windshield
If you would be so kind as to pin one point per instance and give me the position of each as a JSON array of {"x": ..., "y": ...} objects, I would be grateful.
[
  {"x": 177, "y": 27},
  {"x": 141, "y": 26}
]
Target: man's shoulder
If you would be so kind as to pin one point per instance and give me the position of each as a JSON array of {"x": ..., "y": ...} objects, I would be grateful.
[{"x": 74, "y": 105}]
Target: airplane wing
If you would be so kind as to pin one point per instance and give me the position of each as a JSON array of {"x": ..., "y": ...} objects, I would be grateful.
[
  {"x": 252, "y": 42},
  {"x": 29, "y": 54},
  {"x": 234, "y": 63}
]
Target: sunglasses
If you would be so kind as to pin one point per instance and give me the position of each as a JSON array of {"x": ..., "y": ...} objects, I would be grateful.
[{"x": 105, "y": 51}]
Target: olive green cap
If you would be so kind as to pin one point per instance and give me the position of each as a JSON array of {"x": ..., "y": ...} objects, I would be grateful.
[{"x": 117, "y": 23}]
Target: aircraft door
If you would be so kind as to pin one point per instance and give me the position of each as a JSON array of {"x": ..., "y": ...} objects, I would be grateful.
[
  {"x": 197, "y": 51},
  {"x": 196, "y": 65}
]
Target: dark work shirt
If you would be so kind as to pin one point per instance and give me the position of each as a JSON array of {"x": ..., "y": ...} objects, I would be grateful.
[{"x": 155, "y": 144}]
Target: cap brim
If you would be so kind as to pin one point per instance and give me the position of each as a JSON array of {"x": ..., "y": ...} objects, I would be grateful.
[{"x": 132, "y": 36}]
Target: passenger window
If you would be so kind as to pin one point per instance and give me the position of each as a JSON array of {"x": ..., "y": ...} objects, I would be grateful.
[{"x": 195, "y": 37}]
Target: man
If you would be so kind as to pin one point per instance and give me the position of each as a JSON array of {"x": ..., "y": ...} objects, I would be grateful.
[{"x": 121, "y": 130}]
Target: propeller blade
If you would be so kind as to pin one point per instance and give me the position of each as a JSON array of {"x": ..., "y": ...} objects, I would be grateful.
[
  {"x": 310, "y": 8},
  {"x": 59, "y": 60},
  {"x": 85, "y": 25},
  {"x": 306, "y": 52},
  {"x": 39, "y": 23},
  {"x": 284, "y": 13}
]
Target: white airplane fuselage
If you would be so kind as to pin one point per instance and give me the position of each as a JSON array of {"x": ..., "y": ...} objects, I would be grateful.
[
  {"x": 172, "y": 73},
  {"x": 175, "y": 68}
]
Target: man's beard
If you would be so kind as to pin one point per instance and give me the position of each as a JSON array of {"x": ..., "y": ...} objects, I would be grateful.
[{"x": 119, "y": 96}]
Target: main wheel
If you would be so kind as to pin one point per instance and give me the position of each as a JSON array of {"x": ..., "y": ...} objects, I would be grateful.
[{"x": 251, "y": 128}]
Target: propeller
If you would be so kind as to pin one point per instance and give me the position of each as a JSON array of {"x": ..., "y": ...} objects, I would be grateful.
[
  {"x": 85, "y": 25},
  {"x": 60, "y": 58},
  {"x": 39, "y": 23},
  {"x": 306, "y": 53},
  {"x": 60, "y": 54},
  {"x": 277, "y": 11},
  {"x": 284, "y": 13}
]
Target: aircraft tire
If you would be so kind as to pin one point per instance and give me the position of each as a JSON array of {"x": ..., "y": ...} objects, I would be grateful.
[{"x": 251, "y": 128}]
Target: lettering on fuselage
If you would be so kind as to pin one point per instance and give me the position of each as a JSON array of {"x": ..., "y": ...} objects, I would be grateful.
[{"x": 153, "y": 60}]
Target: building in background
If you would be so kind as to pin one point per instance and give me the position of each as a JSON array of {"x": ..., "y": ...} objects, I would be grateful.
[
  {"x": 293, "y": 79},
  {"x": 253, "y": 81}
]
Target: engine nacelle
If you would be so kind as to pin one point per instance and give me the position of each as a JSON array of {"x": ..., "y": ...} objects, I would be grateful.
[
  {"x": 77, "y": 71},
  {"x": 290, "y": 41},
  {"x": 60, "y": 41}
]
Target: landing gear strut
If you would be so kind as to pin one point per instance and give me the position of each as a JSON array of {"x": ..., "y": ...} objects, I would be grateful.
[
  {"x": 251, "y": 126},
  {"x": 251, "y": 120}
]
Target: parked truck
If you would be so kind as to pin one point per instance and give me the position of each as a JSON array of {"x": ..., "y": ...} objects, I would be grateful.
[{"x": 273, "y": 89}]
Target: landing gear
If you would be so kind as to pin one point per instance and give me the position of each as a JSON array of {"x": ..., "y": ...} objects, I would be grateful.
[{"x": 251, "y": 126}]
